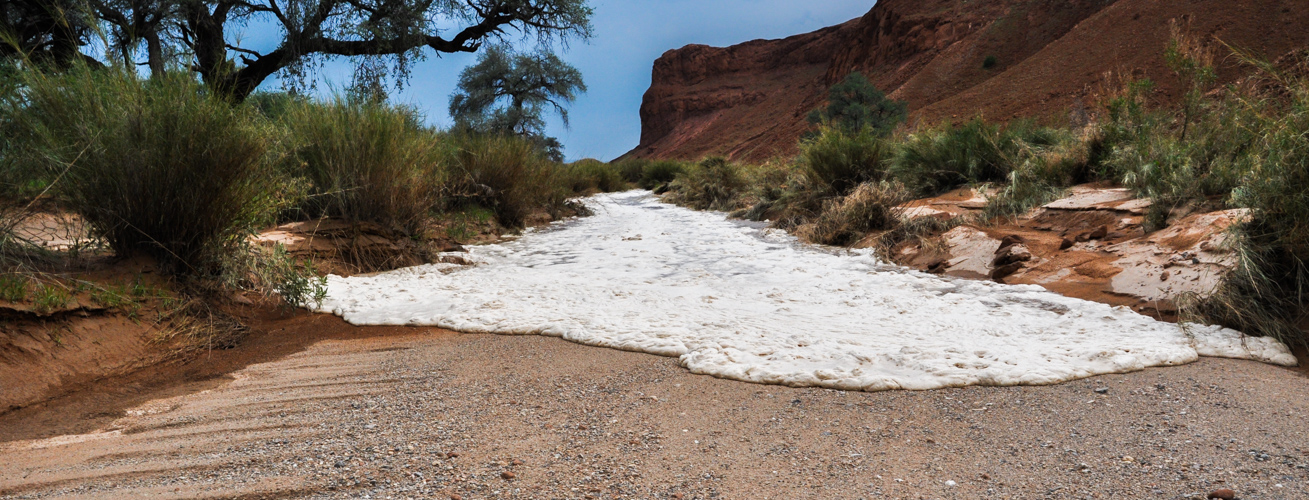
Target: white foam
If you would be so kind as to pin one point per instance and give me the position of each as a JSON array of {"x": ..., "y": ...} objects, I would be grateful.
[{"x": 745, "y": 303}]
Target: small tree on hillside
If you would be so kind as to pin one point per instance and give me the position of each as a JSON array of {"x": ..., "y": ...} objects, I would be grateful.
[
  {"x": 507, "y": 93},
  {"x": 855, "y": 104}
]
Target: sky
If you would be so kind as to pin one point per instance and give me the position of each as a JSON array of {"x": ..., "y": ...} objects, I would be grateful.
[{"x": 616, "y": 63}]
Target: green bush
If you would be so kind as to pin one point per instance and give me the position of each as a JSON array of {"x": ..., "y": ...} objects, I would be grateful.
[
  {"x": 713, "y": 184},
  {"x": 1176, "y": 159},
  {"x": 660, "y": 172},
  {"x": 366, "y": 161},
  {"x": 1266, "y": 293},
  {"x": 939, "y": 159},
  {"x": 1051, "y": 162},
  {"x": 157, "y": 167},
  {"x": 630, "y": 169},
  {"x": 840, "y": 160},
  {"x": 942, "y": 158},
  {"x": 587, "y": 176},
  {"x": 508, "y": 175},
  {"x": 855, "y": 105}
]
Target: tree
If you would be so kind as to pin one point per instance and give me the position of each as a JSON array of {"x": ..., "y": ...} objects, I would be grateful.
[
  {"x": 133, "y": 22},
  {"x": 507, "y": 93},
  {"x": 855, "y": 104},
  {"x": 398, "y": 29},
  {"x": 202, "y": 32},
  {"x": 45, "y": 31}
]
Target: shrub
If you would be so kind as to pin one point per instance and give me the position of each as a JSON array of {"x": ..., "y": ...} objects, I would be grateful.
[
  {"x": 590, "y": 175},
  {"x": 1177, "y": 158},
  {"x": 939, "y": 159},
  {"x": 769, "y": 186},
  {"x": 630, "y": 169},
  {"x": 840, "y": 160},
  {"x": 506, "y": 174},
  {"x": 660, "y": 172},
  {"x": 855, "y": 105},
  {"x": 989, "y": 62},
  {"x": 942, "y": 158},
  {"x": 1266, "y": 293},
  {"x": 156, "y": 167},
  {"x": 713, "y": 184},
  {"x": 1054, "y": 160},
  {"x": 366, "y": 161},
  {"x": 871, "y": 207}
]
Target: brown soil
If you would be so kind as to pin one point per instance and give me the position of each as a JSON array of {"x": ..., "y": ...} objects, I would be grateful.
[
  {"x": 84, "y": 405},
  {"x": 91, "y": 361}
]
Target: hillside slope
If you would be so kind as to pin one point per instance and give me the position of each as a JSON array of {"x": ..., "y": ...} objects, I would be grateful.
[{"x": 749, "y": 101}]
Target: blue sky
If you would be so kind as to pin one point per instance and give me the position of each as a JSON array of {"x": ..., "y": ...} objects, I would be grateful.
[{"x": 616, "y": 63}]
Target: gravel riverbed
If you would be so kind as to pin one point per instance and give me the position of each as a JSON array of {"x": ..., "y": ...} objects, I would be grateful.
[{"x": 442, "y": 415}]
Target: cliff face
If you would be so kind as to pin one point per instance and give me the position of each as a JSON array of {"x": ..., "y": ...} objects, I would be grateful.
[{"x": 749, "y": 101}]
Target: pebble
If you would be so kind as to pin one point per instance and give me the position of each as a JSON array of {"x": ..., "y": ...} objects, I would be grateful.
[
  {"x": 506, "y": 475},
  {"x": 1102, "y": 390},
  {"x": 1223, "y": 494}
]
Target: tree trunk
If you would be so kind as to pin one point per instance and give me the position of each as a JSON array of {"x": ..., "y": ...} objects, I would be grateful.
[{"x": 154, "y": 53}]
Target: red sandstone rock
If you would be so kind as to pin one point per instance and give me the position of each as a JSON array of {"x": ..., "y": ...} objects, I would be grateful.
[{"x": 749, "y": 101}]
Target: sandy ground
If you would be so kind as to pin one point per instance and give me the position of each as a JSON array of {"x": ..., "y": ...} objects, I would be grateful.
[{"x": 424, "y": 413}]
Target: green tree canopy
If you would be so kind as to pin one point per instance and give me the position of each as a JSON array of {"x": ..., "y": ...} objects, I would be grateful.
[
  {"x": 855, "y": 104},
  {"x": 508, "y": 93},
  {"x": 384, "y": 36},
  {"x": 46, "y": 31}
]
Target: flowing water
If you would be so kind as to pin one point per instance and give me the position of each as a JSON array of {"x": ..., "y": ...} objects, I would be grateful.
[{"x": 748, "y": 303}]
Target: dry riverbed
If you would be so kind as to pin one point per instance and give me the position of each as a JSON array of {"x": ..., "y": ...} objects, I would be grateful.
[{"x": 424, "y": 413}]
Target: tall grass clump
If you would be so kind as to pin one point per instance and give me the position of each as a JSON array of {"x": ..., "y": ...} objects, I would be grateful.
[
  {"x": 1046, "y": 162},
  {"x": 157, "y": 167},
  {"x": 590, "y": 175},
  {"x": 649, "y": 174},
  {"x": 1194, "y": 155},
  {"x": 1266, "y": 293},
  {"x": 660, "y": 172},
  {"x": 937, "y": 159},
  {"x": 873, "y": 206},
  {"x": 630, "y": 168},
  {"x": 712, "y": 184},
  {"x": 840, "y": 160},
  {"x": 506, "y": 174},
  {"x": 366, "y": 161}
]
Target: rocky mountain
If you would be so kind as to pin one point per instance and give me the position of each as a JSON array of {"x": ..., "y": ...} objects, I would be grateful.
[{"x": 1051, "y": 57}]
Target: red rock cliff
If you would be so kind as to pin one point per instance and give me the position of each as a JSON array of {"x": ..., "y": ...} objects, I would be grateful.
[{"x": 749, "y": 101}]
